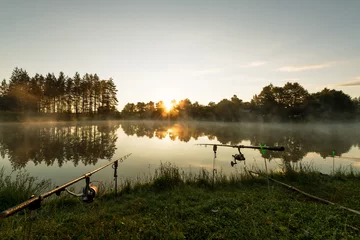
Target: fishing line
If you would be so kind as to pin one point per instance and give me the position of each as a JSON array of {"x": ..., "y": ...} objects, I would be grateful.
[{"x": 307, "y": 194}]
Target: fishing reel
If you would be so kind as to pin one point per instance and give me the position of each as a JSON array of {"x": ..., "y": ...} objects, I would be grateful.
[
  {"x": 237, "y": 157},
  {"x": 88, "y": 192}
]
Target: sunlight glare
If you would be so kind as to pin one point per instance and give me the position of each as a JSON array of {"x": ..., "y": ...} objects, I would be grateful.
[{"x": 168, "y": 106}]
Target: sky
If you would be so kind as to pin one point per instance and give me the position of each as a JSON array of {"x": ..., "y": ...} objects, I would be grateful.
[{"x": 202, "y": 50}]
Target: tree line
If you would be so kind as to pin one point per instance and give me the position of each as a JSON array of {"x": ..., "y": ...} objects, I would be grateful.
[
  {"x": 292, "y": 102},
  {"x": 57, "y": 94},
  {"x": 88, "y": 95}
]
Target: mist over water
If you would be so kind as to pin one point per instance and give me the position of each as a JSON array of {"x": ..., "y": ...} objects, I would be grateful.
[{"x": 64, "y": 151}]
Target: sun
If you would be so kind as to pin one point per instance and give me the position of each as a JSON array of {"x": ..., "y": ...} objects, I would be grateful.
[{"x": 168, "y": 106}]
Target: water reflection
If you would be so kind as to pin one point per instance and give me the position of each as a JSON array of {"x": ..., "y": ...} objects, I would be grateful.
[
  {"x": 87, "y": 143},
  {"x": 298, "y": 140},
  {"x": 57, "y": 144}
]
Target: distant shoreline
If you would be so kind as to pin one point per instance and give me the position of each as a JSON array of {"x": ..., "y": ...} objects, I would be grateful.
[{"x": 19, "y": 117}]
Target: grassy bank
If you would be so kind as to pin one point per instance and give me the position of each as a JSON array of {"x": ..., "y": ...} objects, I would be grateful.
[{"x": 175, "y": 205}]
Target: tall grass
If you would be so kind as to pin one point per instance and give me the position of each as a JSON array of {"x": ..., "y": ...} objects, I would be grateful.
[
  {"x": 168, "y": 176},
  {"x": 14, "y": 190},
  {"x": 307, "y": 172}
]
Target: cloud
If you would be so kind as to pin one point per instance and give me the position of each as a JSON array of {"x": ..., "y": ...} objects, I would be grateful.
[
  {"x": 304, "y": 67},
  {"x": 254, "y": 64},
  {"x": 356, "y": 82}
]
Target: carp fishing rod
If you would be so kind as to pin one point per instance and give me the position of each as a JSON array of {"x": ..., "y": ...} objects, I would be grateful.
[
  {"x": 240, "y": 156},
  {"x": 237, "y": 156},
  {"x": 356, "y": 159},
  {"x": 87, "y": 195}
]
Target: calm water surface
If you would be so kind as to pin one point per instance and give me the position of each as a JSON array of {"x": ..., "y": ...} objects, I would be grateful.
[{"x": 64, "y": 151}]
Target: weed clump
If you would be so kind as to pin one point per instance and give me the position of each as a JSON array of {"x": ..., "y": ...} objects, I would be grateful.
[
  {"x": 19, "y": 189},
  {"x": 167, "y": 176}
]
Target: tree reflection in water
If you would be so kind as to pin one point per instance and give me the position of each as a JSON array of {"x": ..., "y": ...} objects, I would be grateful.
[
  {"x": 57, "y": 143},
  {"x": 298, "y": 139},
  {"x": 87, "y": 143}
]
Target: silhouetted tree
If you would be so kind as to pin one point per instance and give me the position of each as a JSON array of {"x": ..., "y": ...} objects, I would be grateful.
[
  {"x": 331, "y": 105},
  {"x": 77, "y": 92},
  {"x": 266, "y": 102}
]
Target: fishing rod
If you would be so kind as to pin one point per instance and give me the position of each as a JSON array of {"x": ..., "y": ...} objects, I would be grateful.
[
  {"x": 88, "y": 194},
  {"x": 240, "y": 156},
  {"x": 356, "y": 159}
]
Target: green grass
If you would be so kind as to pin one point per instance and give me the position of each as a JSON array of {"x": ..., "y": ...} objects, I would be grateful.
[
  {"x": 179, "y": 205},
  {"x": 18, "y": 188}
]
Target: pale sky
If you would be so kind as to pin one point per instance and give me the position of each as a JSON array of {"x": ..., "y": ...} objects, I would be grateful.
[{"x": 201, "y": 50}]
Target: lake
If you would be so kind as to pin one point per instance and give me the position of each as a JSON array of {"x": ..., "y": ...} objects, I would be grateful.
[{"x": 63, "y": 151}]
